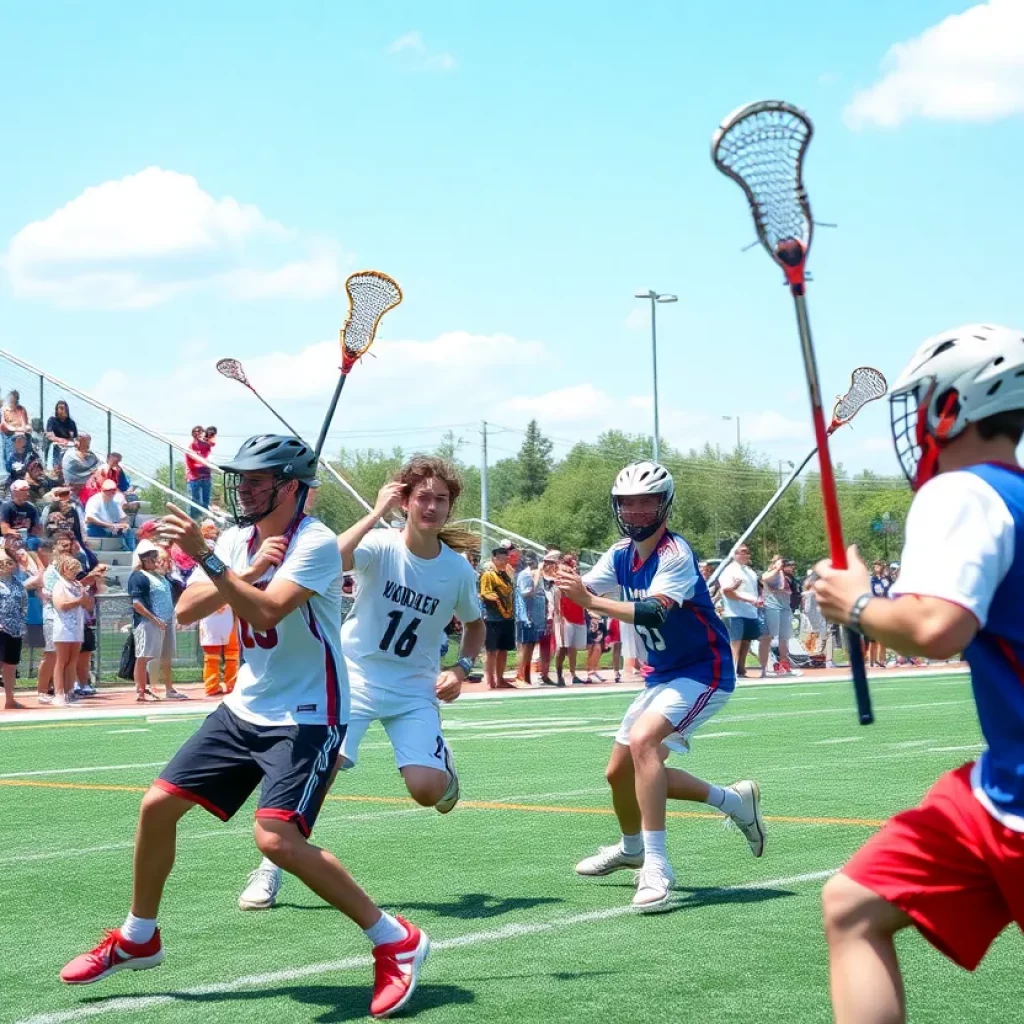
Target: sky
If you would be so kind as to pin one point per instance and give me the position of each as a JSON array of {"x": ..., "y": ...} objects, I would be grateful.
[{"x": 187, "y": 182}]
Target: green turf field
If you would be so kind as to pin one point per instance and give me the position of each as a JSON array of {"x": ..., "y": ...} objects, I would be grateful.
[{"x": 517, "y": 936}]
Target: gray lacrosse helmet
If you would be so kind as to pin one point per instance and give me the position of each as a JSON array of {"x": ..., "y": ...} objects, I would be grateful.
[{"x": 287, "y": 457}]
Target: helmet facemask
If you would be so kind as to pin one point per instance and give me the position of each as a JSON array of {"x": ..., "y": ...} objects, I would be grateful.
[
  {"x": 917, "y": 446},
  {"x": 232, "y": 482},
  {"x": 637, "y": 531}
]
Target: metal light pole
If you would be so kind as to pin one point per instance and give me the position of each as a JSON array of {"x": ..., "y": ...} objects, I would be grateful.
[
  {"x": 739, "y": 443},
  {"x": 784, "y": 462},
  {"x": 654, "y": 297}
]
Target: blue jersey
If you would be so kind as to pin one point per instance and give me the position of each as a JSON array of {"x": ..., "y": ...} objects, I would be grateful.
[
  {"x": 965, "y": 541},
  {"x": 692, "y": 643}
]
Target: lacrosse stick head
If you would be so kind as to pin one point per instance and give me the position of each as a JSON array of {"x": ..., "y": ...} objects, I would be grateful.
[
  {"x": 866, "y": 385},
  {"x": 232, "y": 369},
  {"x": 761, "y": 147},
  {"x": 370, "y": 295}
]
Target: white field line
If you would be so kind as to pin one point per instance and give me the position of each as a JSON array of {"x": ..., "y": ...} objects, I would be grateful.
[
  {"x": 95, "y": 768},
  {"x": 138, "y": 1004},
  {"x": 932, "y": 676},
  {"x": 325, "y": 823}
]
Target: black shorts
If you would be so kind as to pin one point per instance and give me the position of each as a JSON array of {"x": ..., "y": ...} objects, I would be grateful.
[
  {"x": 10, "y": 648},
  {"x": 88, "y": 641},
  {"x": 501, "y": 636},
  {"x": 221, "y": 765}
]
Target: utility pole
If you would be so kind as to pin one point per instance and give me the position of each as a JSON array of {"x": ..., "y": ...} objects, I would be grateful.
[
  {"x": 484, "y": 510},
  {"x": 654, "y": 298}
]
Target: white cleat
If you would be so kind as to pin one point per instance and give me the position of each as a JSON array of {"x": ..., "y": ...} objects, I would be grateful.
[
  {"x": 654, "y": 889},
  {"x": 261, "y": 891},
  {"x": 451, "y": 794},
  {"x": 748, "y": 818},
  {"x": 609, "y": 859}
]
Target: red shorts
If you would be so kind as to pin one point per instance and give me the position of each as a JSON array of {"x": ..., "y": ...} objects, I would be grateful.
[
  {"x": 950, "y": 866},
  {"x": 614, "y": 634}
]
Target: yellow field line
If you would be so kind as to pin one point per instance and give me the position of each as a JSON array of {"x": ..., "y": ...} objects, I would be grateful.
[{"x": 480, "y": 805}]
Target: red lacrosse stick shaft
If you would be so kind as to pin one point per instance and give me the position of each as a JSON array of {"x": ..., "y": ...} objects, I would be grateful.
[{"x": 833, "y": 523}]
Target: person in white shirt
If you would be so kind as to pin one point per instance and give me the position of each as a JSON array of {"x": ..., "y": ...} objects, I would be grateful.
[
  {"x": 279, "y": 729},
  {"x": 410, "y": 584},
  {"x": 741, "y": 604},
  {"x": 105, "y": 516}
]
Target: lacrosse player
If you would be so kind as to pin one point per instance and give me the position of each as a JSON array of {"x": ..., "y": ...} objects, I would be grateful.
[
  {"x": 689, "y": 677},
  {"x": 410, "y": 586},
  {"x": 281, "y": 726},
  {"x": 953, "y": 867}
]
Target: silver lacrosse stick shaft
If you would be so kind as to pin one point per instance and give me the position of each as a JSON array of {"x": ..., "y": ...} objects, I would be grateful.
[
  {"x": 760, "y": 517},
  {"x": 323, "y": 462}
]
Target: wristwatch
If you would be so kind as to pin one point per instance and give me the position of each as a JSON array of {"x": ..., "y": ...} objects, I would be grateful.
[
  {"x": 213, "y": 566},
  {"x": 855, "y": 613},
  {"x": 466, "y": 664}
]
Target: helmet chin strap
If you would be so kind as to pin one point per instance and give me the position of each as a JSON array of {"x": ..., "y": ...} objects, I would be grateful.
[{"x": 931, "y": 445}]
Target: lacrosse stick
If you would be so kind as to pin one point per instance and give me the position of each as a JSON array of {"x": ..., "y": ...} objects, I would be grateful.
[
  {"x": 370, "y": 295},
  {"x": 232, "y": 369},
  {"x": 866, "y": 385},
  {"x": 762, "y": 147}
]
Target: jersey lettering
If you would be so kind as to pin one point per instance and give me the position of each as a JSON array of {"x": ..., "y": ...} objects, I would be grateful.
[{"x": 409, "y": 598}]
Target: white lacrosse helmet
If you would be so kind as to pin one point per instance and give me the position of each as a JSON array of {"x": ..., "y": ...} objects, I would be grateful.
[
  {"x": 643, "y": 478},
  {"x": 955, "y": 378}
]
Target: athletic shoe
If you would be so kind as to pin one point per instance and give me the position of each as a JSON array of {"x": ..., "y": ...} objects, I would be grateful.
[
  {"x": 114, "y": 953},
  {"x": 261, "y": 890},
  {"x": 45, "y": 698},
  {"x": 654, "y": 888},
  {"x": 396, "y": 970},
  {"x": 609, "y": 859},
  {"x": 88, "y": 691},
  {"x": 451, "y": 794},
  {"x": 748, "y": 818}
]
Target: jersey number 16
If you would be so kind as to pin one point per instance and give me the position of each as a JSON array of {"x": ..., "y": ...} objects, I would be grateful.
[{"x": 407, "y": 639}]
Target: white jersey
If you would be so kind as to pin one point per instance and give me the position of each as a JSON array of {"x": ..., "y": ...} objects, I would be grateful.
[
  {"x": 293, "y": 674},
  {"x": 391, "y": 639}
]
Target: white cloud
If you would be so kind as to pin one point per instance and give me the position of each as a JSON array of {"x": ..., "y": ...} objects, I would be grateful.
[
  {"x": 146, "y": 238},
  {"x": 410, "y": 41},
  {"x": 412, "y": 51},
  {"x": 968, "y": 67},
  {"x": 770, "y": 426},
  {"x": 639, "y": 319}
]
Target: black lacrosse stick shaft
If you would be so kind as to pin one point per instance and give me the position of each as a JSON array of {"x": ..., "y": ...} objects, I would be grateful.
[{"x": 322, "y": 439}]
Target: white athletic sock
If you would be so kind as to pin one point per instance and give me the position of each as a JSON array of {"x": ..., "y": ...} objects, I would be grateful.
[
  {"x": 387, "y": 929},
  {"x": 655, "y": 853},
  {"x": 724, "y": 799},
  {"x": 138, "y": 930},
  {"x": 633, "y": 846},
  {"x": 268, "y": 865}
]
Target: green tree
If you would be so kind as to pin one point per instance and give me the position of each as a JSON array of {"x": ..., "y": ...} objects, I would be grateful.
[{"x": 534, "y": 463}]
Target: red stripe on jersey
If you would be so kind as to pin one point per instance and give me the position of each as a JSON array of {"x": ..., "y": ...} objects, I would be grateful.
[
  {"x": 1011, "y": 656},
  {"x": 716, "y": 667},
  {"x": 330, "y": 669}
]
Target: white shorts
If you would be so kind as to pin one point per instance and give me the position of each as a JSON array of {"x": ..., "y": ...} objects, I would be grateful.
[
  {"x": 412, "y": 724},
  {"x": 68, "y": 632},
  {"x": 685, "y": 703},
  {"x": 571, "y": 634}
]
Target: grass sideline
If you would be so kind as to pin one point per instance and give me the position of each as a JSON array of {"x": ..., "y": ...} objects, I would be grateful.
[{"x": 517, "y": 934}]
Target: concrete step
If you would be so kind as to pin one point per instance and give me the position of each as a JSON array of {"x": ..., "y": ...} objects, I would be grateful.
[
  {"x": 111, "y": 544},
  {"x": 114, "y": 558}
]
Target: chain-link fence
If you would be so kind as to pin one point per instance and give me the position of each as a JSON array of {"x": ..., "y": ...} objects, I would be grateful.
[{"x": 114, "y": 620}]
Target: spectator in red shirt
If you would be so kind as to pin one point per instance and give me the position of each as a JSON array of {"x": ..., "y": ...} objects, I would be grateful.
[
  {"x": 570, "y": 631},
  {"x": 197, "y": 472}
]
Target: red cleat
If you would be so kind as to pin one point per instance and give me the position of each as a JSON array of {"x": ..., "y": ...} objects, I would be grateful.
[
  {"x": 113, "y": 954},
  {"x": 396, "y": 970}
]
